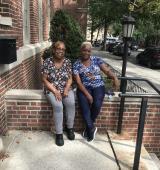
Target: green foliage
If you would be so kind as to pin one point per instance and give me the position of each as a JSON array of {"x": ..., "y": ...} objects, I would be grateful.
[
  {"x": 103, "y": 13},
  {"x": 147, "y": 15},
  {"x": 152, "y": 40},
  {"x": 117, "y": 28},
  {"x": 66, "y": 29}
]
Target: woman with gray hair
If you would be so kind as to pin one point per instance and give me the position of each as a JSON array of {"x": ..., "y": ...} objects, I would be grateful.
[{"x": 91, "y": 90}]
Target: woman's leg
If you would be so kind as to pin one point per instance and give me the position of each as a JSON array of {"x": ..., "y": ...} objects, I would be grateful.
[
  {"x": 69, "y": 103},
  {"x": 57, "y": 112},
  {"x": 98, "y": 96},
  {"x": 85, "y": 109}
]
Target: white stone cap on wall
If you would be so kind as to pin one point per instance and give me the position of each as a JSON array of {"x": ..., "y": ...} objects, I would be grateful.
[
  {"x": 5, "y": 21},
  {"x": 31, "y": 94},
  {"x": 25, "y": 94},
  {"x": 1, "y": 144}
]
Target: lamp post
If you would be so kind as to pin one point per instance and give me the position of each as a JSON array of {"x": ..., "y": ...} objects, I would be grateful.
[{"x": 128, "y": 28}]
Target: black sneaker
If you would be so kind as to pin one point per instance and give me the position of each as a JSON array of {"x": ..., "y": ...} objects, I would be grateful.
[
  {"x": 59, "y": 140},
  {"x": 91, "y": 134},
  {"x": 70, "y": 134},
  {"x": 85, "y": 133}
]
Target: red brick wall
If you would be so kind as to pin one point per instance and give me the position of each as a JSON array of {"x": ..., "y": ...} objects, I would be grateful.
[
  {"x": 24, "y": 76},
  {"x": 72, "y": 7},
  {"x": 12, "y": 9},
  {"x": 46, "y": 21},
  {"x": 34, "y": 115},
  {"x": 34, "y": 18}
]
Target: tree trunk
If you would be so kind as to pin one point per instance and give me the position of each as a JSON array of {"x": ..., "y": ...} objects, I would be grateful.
[
  {"x": 97, "y": 34},
  {"x": 105, "y": 34},
  {"x": 92, "y": 33}
]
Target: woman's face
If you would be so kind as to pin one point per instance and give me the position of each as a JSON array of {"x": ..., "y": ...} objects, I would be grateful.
[
  {"x": 85, "y": 52},
  {"x": 59, "y": 51}
]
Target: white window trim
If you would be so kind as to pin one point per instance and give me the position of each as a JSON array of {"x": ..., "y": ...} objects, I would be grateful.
[
  {"x": 40, "y": 11},
  {"x": 5, "y": 21},
  {"x": 49, "y": 13},
  {"x": 26, "y": 21},
  {"x": 24, "y": 53}
]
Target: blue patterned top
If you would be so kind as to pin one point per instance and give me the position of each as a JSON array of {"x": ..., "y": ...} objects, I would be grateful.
[{"x": 91, "y": 75}]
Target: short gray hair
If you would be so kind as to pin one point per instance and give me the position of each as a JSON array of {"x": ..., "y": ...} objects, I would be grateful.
[{"x": 86, "y": 43}]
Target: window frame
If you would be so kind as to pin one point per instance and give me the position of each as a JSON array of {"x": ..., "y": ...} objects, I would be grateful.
[{"x": 26, "y": 21}]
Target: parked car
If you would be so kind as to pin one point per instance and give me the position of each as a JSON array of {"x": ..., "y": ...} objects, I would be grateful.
[
  {"x": 150, "y": 57},
  {"x": 111, "y": 41},
  {"x": 119, "y": 50},
  {"x": 134, "y": 46},
  {"x": 96, "y": 43},
  {"x": 111, "y": 46}
]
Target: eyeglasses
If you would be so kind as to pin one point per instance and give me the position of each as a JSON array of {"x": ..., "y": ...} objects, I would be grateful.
[{"x": 60, "y": 49}]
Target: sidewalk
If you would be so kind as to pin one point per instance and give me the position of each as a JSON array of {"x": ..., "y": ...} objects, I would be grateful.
[
  {"x": 132, "y": 70},
  {"x": 37, "y": 151}
]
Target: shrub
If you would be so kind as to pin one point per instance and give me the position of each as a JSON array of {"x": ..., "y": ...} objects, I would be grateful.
[{"x": 65, "y": 28}]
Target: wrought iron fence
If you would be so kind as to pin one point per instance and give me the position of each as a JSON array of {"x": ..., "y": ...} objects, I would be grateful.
[{"x": 132, "y": 86}]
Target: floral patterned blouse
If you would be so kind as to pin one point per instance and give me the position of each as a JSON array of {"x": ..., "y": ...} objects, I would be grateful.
[
  {"x": 90, "y": 76},
  {"x": 57, "y": 76}
]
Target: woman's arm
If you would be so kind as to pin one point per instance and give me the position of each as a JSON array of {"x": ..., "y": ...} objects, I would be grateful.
[
  {"x": 82, "y": 88},
  {"x": 107, "y": 71},
  {"x": 51, "y": 87},
  {"x": 68, "y": 86}
]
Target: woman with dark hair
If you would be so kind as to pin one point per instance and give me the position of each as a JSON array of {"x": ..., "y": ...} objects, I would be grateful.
[
  {"x": 57, "y": 79},
  {"x": 91, "y": 91}
]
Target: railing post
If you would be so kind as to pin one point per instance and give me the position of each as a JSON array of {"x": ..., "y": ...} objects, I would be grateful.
[
  {"x": 140, "y": 132},
  {"x": 123, "y": 85},
  {"x": 121, "y": 107}
]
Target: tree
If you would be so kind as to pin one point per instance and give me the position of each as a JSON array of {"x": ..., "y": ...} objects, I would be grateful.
[
  {"x": 147, "y": 14},
  {"x": 65, "y": 28},
  {"x": 106, "y": 12}
]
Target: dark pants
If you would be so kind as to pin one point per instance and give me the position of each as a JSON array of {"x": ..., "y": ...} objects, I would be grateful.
[{"x": 91, "y": 111}]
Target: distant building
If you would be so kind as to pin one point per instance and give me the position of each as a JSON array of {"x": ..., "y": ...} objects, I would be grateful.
[{"x": 77, "y": 8}]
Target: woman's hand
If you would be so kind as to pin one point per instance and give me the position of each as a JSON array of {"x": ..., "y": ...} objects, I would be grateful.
[
  {"x": 57, "y": 95},
  {"x": 90, "y": 98},
  {"x": 65, "y": 93}
]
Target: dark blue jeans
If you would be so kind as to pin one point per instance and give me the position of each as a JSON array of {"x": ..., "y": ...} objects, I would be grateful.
[{"x": 90, "y": 112}]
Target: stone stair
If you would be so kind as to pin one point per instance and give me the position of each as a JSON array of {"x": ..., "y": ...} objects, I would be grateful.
[{"x": 36, "y": 150}]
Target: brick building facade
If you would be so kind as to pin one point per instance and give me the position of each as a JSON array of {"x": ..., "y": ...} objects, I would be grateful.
[{"x": 28, "y": 21}]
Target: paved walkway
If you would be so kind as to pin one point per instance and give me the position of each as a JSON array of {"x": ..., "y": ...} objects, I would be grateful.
[
  {"x": 37, "y": 151},
  {"x": 132, "y": 69}
]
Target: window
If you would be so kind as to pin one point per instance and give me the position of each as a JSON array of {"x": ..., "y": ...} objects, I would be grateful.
[
  {"x": 40, "y": 20},
  {"x": 26, "y": 21}
]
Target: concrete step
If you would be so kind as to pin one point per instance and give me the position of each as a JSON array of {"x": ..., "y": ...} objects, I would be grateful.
[
  {"x": 155, "y": 159},
  {"x": 37, "y": 150}
]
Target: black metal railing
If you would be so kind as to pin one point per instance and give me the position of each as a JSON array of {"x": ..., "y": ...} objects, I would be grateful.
[
  {"x": 143, "y": 111},
  {"x": 132, "y": 86}
]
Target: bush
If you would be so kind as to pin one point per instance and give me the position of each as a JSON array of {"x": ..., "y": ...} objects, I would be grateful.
[{"x": 65, "y": 28}]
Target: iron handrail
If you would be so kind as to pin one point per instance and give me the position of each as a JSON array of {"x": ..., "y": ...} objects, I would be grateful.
[
  {"x": 143, "y": 111},
  {"x": 149, "y": 95},
  {"x": 141, "y": 79}
]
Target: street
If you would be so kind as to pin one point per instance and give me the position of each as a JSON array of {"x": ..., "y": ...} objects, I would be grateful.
[{"x": 133, "y": 70}]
